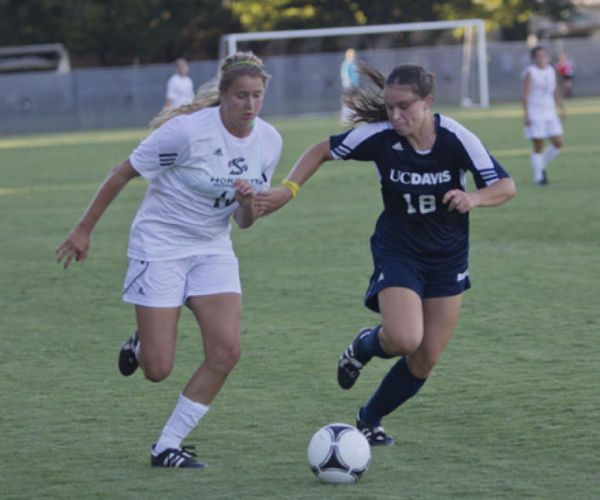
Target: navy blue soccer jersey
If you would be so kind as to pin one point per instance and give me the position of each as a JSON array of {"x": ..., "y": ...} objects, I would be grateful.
[{"x": 414, "y": 222}]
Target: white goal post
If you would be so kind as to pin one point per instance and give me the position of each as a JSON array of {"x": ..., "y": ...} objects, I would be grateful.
[{"x": 229, "y": 43}]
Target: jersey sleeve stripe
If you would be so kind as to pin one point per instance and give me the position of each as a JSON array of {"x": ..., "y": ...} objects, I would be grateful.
[
  {"x": 341, "y": 150},
  {"x": 167, "y": 159},
  {"x": 488, "y": 174}
]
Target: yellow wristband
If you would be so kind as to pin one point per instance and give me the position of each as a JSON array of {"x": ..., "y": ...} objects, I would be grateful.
[{"x": 292, "y": 186}]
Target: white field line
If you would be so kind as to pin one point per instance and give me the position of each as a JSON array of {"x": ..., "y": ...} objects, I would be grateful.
[
  {"x": 73, "y": 139},
  {"x": 24, "y": 190}
]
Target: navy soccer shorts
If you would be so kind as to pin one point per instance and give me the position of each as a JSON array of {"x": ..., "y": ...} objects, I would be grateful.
[{"x": 397, "y": 271}]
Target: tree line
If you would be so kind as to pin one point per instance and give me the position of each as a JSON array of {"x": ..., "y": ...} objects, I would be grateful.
[{"x": 119, "y": 32}]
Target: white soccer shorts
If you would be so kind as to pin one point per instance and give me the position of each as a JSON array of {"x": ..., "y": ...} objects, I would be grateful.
[
  {"x": 170, "y": 283},
  {"x": 544, "y": 128}
]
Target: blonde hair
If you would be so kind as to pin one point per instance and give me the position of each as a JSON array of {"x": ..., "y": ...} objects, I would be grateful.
[
  {"x": 366, "y": 103},
  {"x": 231, "y": 68}
]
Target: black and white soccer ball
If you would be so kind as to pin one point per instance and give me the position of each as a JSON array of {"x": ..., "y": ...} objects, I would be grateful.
[{"x": 339, "y": 453}]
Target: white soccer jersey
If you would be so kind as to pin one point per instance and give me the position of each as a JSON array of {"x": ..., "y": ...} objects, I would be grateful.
[
  {"x": 540, "y": 102},
  {"x": 180, "y": 90},
  {"x": 191, "y": 162}
]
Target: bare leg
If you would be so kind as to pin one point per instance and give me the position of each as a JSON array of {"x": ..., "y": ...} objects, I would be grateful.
[
  {"x": 538, "y": 145},
  {"x": 407, "y": 376},
  {"x": 557, "y": 140},
  {"x": 157, "y": 330},
  {"x": 219, "y": 317},
  {"x": 401, "y": 320},
  {"x": 440, "y": 317}
]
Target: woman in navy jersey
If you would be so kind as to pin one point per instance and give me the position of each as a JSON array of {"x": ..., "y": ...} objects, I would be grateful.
[{"x": 421, "y": 240}]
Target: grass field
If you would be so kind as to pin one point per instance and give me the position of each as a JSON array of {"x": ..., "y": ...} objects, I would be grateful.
[{"x": 511, "y": 411}]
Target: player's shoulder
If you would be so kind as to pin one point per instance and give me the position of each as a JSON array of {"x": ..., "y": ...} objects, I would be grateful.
[
  {"x": 456, "y": 132},
  {"x": 196, "y": 122},
  {"x": 365, "y": 131},
  {"x": 528, "y": 70},
  {"x": 366, "y": 135},
  {"x": 375, "y": 127},
  {"x": 446, "y": 123},
  {"x": 187, "y": 127},
  {"x": 267, "y": 131}
]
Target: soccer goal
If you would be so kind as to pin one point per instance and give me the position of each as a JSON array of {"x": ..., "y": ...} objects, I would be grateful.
[{"x": 471, "y": 72}]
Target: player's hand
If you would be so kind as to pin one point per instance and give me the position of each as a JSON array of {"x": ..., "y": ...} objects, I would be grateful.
[
  {"x": 563, "y": 114},
  {"x": 271, "y": 200},
  {"x": 461, "y": 201},
  {"x": 527, "y": 121},
  {"x": 76, "y": 245},
  {"x": 244, "y": 194}
]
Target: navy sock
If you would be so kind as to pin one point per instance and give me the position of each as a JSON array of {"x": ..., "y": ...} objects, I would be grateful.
[
  {"x": 369, "y": 346},
  {"x": 397, "y": 386}
]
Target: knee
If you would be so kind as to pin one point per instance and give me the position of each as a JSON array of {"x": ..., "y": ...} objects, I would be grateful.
[
  {"x": 157, "y": 370},
  {"x": 421, "y": 368},
  {"x": 421, "y": 364},
  {"x": 224, "y": 357},
  {"x": 399, "y": 341}
]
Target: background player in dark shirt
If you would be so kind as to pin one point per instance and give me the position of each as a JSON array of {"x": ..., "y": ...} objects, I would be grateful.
[{"x": 420, "y": 244}]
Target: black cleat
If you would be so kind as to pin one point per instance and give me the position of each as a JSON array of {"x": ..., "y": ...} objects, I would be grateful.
[
  {"x": 348, "y": 366},
  {"x": 176, "y": 457},
  {"x": 544, "y": 180},
  {"x": 128, "y": 363},
  {"x": 374, "y": 433}
]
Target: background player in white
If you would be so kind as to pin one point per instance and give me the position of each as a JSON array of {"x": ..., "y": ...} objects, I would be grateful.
[
  {"x": 204, "y": 163},
  {"x": 180, "y": 88},
  {"x": 420, "y": 244},
  {"x": 540, "y": 98}
]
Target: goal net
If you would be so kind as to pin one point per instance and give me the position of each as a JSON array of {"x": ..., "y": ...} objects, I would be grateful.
[{"x": 305, "y": 64}]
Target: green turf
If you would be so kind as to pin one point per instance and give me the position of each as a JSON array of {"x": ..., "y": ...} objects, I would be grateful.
[{"x": 511, "y": 410}]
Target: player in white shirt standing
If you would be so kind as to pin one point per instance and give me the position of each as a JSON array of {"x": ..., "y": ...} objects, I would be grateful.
[
  {"x": 180, "y": 88},
  {"x": 540, "y": 98},
  {"x": 204, "y": 163}
]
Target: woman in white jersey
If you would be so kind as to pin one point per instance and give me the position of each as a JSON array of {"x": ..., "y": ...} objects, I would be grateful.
[
  {"x": 540, "y": 98},
  {"x": 204, "y": 162}
]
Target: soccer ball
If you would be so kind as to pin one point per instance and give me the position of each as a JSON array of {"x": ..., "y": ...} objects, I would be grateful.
[{"x": 339, "y": 453}]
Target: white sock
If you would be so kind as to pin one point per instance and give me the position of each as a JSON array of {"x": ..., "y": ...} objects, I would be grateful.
[
  {"x": 183, "y": 420},
  {"x": 136, "y": 350},
  {"x": 551, "y": 152},
  {"x": 537, "y": 164}
]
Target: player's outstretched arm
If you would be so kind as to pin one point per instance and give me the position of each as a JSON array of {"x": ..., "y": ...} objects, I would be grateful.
[
  {"x": 269, "y": 201},
  {"x": 496, "y": 194},
  {"x": 77, "y": 243}
]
